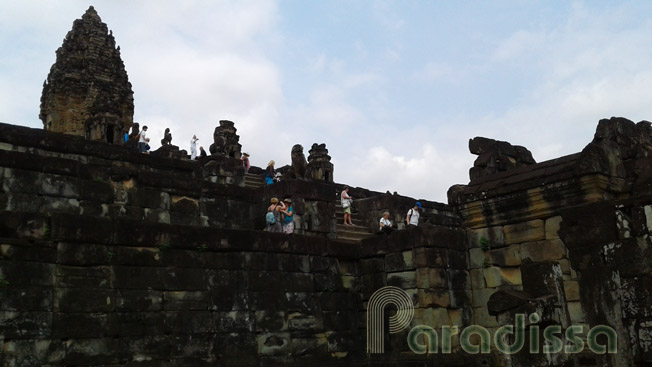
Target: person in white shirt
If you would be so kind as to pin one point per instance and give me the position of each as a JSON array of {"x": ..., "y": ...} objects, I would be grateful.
[
  {"x": 193, "y": 147},
  {"x": 142, "y": 140},
  {"x": 413, "y": 215},
  {"x": 346, "y": 201},
  {"x": 385, "y": 224}
]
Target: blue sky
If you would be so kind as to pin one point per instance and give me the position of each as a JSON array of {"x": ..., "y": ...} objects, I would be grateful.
[{"x": 394, "y": 88}]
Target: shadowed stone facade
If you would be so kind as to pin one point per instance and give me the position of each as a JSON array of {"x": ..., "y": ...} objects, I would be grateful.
[
  {"x": 133, "y": 258},
  {"x": 87, "y": 92},
  {"x": 113, "y": 258}
]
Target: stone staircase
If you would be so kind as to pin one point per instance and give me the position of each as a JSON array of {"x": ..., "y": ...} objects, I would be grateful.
[
  {"x": 253, "y": 181},
  {"x": 353, "y": 234}
]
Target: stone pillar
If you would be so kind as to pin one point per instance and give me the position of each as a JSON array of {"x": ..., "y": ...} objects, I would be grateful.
[
  {"x": 225, "y": 140},
  {"x": 320, "y": 167}
]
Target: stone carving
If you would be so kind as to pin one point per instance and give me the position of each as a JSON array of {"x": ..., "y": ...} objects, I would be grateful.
[
  {"x": 496, "y": 156},
  {"x": 132, "y": 142},
  {"x": 299, "y": 163},
  {"x": 167, "y": 137},
  {"x": 87, "y": 91},
  {"x": 616, "y": 140},
  {"x": 319, "y": 167},
  {"x": 225, "y": 140}
]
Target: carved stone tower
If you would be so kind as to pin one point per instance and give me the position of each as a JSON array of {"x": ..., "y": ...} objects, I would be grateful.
[
  {"x": 225, "y": 140},
  {"x": 87, "y": 91},
  {"x": 320, "y": 167}
]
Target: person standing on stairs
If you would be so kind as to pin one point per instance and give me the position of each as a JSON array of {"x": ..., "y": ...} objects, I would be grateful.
[
  {"x": 346, "y": 205},
  {"x": 245, "y": 162},
  {"x": 412, "y": 218}
]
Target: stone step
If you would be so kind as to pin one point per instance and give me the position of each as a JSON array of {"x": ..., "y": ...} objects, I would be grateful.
[
  {"x": 253, "y": 181},
  {"x": 354, "y": 229},
  {"x": 353, "y": 237}
]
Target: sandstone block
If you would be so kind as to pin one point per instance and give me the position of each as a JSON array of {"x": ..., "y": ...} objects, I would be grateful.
[
  {"x": 507, "y": 256},
  {"x": 271, "y": 321},
  {"x": 533, "y": 230},
  {"x": 481, "y": 317},
  {"x": 481, "y": 296},
  {"x": 496, "y": 277},
  {"x": 399, "y": 261},
  {"x": 477, "y": 258},
  {"x": 575, "y": 312},
  {"x": 543, "y": 250},
  {"x": 404, "y": 280},
  {"x": 477, "y": 278},
  {"x": 434, "y": 297},
  {"x": 458, "y": 279},
  {"x": 271, "y": 344},
  {"x": 552, "y": 227},
  {"x": 572, "y": 290},
  {"x": 485, "y": 237}
]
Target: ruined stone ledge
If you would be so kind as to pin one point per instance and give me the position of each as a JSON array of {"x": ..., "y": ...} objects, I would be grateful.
[
  {"x": 12, "y": 137},
  {"x": 537, "y": 203}
]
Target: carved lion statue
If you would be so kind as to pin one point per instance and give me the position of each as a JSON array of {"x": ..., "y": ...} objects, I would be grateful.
[
  {"x": 218, "y": 142},
  {"x": 167, "y": 137},
  {"x": 299, "y": 163}
]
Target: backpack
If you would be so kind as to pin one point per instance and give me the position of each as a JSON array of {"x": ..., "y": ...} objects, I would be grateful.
[{"x": 269, "y": 218}]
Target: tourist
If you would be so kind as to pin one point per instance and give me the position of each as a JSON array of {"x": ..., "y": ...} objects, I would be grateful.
[
  {"x": 245, "y": 162},
  {"x": 346, "y": 205},
  {"x": 269, "y": 173},
  {"x": 202, "y": 152},
  {"x": 142, "y": 140},
  {"x": 413, "y": 215},
  {"x": 288, "y": 217},
  {"x": 273, "y": 216},
  {"x": 385, "y": 224},
  {"x": 193, "y": 147},
  {"x": 126, "y": 136}
]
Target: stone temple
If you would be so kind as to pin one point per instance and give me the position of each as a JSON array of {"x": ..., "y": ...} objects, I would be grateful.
[
  {"x": 113, "y": 258},
  {"x": 87, "y": 92}
]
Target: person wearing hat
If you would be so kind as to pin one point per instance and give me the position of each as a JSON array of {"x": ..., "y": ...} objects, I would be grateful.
[
  {"x": 245, "y": 162},
  {"x": 269, "y": 173},
  {"x": 413, "y": 215},
  {"x": 275, "y": 210},
  {"x": 288, "y": 217}
]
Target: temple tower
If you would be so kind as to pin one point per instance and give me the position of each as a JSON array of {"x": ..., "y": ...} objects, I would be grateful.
[
  {"x": 320, "y": 167},
  {"x": 87, "y": 91}
]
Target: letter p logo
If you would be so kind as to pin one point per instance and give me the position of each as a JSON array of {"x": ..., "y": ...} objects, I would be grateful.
[{"x": 376, "y": 316}]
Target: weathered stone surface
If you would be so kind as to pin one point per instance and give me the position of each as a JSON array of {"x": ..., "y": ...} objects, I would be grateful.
[
  {"x": 319, "y": 167},
  {"x": 433, "y": 297},
  {"x": 478, "y": 258},
  {"x": 507, "y": 256},
  {"x": 477, "y": 278},
  {"x": 496, "y": 277},
  {"x": 524, "y": 232},
  {"x": 496, "y": 156},
  {"x": 552, "y": 227},
  {"x": 543, "y": 250},
  {"x": 87, "y": 91},
  {"x": 404, "y": 280},
  {"x": 486, "y": 237}
]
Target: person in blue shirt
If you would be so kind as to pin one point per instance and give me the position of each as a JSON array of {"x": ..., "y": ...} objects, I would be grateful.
[{"x": 288, "y": 217}]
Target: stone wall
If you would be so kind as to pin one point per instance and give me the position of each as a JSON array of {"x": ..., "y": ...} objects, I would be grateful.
[
  {"x": 567, "y": 239},
  {"x": 109, "y": 257}
]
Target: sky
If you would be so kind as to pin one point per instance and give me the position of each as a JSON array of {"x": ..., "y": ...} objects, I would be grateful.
[{"x": 395, "y": 89}]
